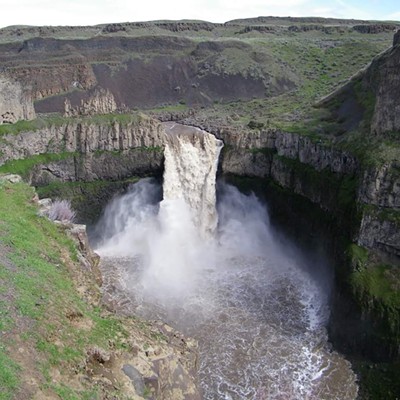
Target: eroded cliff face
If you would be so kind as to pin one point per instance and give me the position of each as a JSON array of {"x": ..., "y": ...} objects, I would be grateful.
[
  {"x": 83, "y": 137},
  {"x": 112, "y": 151},
  {"x": 15, "y": 102},
  {"x": 51, "y": 81},
  {"x": 379, "y": 193},
  {"x": 101, "y": 101},
  {"x": 293, "y": 161},
  {"x": 144, "y": 71},
  {"x": 384, "y": 79}
]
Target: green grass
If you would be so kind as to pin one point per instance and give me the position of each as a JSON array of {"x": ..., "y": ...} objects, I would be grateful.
[
  {"x": 49, "y": 120},
  {"x": 23, "y": 166},
  {"x": 43, "y": 294},
  {"x": 381, "y": 282},
  {"x": 34, "y": 125},
  {"x": 358, "y": 255},
  {"x": 377, "y": 287},
  {"x": 168, "y": 108},
  {"x": 9, "y": 381},
  {"x": 66, "y": 393}
]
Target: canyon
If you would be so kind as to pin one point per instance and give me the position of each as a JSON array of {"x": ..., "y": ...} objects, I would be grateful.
[{"x": 94, "y": 118}]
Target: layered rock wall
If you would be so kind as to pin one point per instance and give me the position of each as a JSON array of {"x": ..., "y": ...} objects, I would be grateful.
[
  {"x": 328, "y": 177},
  {"x": 83, "y": 137},
  {"x": 379, "y": 195},
  {"x": 104, "y": 166},
  {"x": 100, "y": 102},
  {"x": 15, "y": 102},
  {"x": 88, "y": 151},
  {"x": 293, "y": 161},
  {"x": 53, "y": 80}
]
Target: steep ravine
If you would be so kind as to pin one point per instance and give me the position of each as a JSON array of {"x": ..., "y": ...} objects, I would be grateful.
[
  {"x": 331, "y": 179},
  {"x": 291, "y": 170},
  {"x": 318, "y": 189}
]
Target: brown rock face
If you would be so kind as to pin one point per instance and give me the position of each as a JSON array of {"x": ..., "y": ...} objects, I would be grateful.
[
  {"x": 51, "y": 81},
  {"x": 142, "y": 72},
  {"x": 15, "y": 102},
  {"x": 101, "y": 101}
]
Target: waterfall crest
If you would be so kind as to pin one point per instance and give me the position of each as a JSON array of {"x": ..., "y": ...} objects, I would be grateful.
[{"x": 191, "y": 162}]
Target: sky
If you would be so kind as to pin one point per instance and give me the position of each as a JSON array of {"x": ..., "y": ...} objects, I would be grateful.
[{"x": 91, "y": 12}]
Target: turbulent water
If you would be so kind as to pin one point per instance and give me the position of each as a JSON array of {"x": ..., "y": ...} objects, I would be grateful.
[{"x": 256, "y": 304}]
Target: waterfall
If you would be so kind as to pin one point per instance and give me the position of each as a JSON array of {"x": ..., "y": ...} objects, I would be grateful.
[
  {"x": 191, "y": 161},
  {"x": 257, "y": 304}
]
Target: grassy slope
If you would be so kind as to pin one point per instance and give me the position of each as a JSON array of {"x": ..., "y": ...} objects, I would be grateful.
[
  {"x": 47, "y": 329},
  {"x": 33, "y": 270}
]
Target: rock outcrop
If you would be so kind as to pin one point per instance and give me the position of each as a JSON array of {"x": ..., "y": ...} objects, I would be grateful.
[
  {"x": 15, "y": 102},
  {"x": 384, "y": 80},
  {"x": 83, "y": 137},
  {"x": 101, "y": 101},
  {"x": 293, "y": 161},
  {"x": 112, "y": 166},
  {"x": 380, "y": 186},
  {"x": 88, "y": 151},
  {"x": 379, "y": 195},
  {"x": 396, "y": 38},
  {"x": 374, "y": 28},
  {"x": 51, "y": 81},
  {"x": 380, "y": 234}
]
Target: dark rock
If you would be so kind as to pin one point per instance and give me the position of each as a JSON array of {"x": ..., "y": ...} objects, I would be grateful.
[
  {"x": 136, "y": 378},
  {"x": 152, "y": 383},
  {"x": 374, "y": 28},
  {"x": 396, "y": 38}
]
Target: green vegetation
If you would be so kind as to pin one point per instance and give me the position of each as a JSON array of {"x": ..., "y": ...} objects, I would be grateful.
[
  {"x": 378, "y": 380},
  {"x": 34, "y": 125},
  {"x": 45, "y": 316},
  {"x": 377, "y": 286},
  {"x": 23, "y": 166},
  {"x": 49, "y": 120},
  {"x": 383, "y": 214},
  {"x": 8, "y": 376},
  {"x": 169, "y": 108}
]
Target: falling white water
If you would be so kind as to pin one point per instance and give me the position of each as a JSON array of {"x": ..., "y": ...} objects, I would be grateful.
[
  {"x": 191, "y": 160},
  {"x": 253, "y": 302}
]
